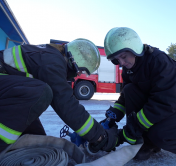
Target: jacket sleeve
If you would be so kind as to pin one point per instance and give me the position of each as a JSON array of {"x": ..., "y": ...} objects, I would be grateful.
[
  {"x": 66, "y": 105},
  {"x": 120, "y": 103},
  {"x": 162, "y": 97}
]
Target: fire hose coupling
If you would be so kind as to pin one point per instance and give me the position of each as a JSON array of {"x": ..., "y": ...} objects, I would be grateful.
[
  {"x": 110, "y": 116},
  {"x": 76, "y": 139}
]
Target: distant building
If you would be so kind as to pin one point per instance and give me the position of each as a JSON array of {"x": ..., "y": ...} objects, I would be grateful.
[{"x": 11, "y": 33}]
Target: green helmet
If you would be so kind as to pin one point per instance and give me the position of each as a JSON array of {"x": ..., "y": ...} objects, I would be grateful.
[
  {"x": 85, "y": 54},
  {"x": 122, "y": 39}
]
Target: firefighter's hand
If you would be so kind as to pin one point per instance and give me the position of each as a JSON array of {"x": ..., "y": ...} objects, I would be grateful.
[
  {"x": 119, "y": 114},
  {"x": 132, "y": 131},
  {"x": 110, "y": 124},
  {"x": 107, "y": 141}
]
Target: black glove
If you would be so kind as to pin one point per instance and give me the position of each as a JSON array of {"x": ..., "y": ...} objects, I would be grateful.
[
  {"x": 108, "y": 141},
  {"x": 132, "y": 131},
  {"x": 110, "y": 124},
  {"x": 119, "y": 114}
]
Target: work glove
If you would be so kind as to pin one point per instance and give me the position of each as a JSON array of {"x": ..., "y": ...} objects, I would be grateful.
[
  {"x": 108, "y": 141},
  {"x": 132, "y": 131},
  {"x": 114, "y": 114},
  {"x": 108, "y": 125},
  {"x": 119, "y": 113}
]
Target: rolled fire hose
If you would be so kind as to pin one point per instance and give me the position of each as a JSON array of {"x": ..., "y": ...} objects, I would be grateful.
[
  {"x": 35, "y": 156},
  {"x": 119, "y": 157},
  {"x": 38, "y": 150}
]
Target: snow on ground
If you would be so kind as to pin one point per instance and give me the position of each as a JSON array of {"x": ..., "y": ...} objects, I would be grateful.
[{"x": 96, "y": 107}]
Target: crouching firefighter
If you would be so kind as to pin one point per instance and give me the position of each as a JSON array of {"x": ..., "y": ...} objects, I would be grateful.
[
  {"x": 34, "y": 77},
  {"x": 148, "y": 97}
]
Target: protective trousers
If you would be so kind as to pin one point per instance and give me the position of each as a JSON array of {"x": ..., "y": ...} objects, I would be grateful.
[
  {"x": 161, "y": 134},
  {"x": 22, "y": 101}
]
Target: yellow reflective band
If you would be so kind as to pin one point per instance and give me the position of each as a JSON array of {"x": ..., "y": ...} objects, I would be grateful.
[
  {"x": 19, "y": 61},
  {"x": 8, "y": 135},
  {"x": 86, "y": 127},
  {"x": 6, "y": 140},
  {"x": 15, "y": 59},
  {"x": 119, "y": 107},
  {"x": 3, "y": 74},
  {"x": 22, "y": 61},
  {"x": 131, "y": 141},
  {"x": 143, "y": 120}
]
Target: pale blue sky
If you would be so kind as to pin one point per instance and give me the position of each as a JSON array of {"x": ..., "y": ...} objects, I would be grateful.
[{"x": 42, "y": 20}]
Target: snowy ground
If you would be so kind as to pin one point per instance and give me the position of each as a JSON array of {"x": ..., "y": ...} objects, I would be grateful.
[{"x": 96, "y": 107}]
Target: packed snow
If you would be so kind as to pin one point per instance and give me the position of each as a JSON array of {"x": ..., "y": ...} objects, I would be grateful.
[{"x": 96, "y": 107}]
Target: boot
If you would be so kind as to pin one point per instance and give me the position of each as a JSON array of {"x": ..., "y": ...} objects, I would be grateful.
[{"x": 146, "y": 151}]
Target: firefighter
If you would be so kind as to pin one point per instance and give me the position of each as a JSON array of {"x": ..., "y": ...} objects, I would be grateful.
[
  {"x": 33, "y": 77},
  {"x": 148, "y": 96}
]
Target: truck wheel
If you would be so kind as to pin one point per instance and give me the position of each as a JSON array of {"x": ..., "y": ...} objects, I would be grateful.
[{"x": 83, "y": 90}]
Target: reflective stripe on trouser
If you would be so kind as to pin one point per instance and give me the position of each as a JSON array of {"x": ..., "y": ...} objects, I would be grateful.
[
  {"x": 9, "y": 136},
  {"x": 86, "y": 127},
  {"x": 143, "y": 120},
  {"x": 119, "y": 107},
  {"x": 3, "y": 74},
  {"x": 17, "y": 61},
  {"x": 131, "y": 141},
  {"x": 19, "y": 95}
]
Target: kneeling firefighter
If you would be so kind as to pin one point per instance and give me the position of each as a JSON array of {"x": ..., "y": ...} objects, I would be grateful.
[
  {"x": 148, "y": 95},
  {"x": 35, "y": 76}
]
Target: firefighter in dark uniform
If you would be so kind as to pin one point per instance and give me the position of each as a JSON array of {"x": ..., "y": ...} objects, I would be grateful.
[
  {"x": 34, "y": 77},
  {"x": 148, "y": 97}
]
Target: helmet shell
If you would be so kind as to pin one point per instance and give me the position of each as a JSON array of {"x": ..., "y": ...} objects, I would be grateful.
[
  {"x": 85, "y": 54},
  {"x": 122, "y": 39}
]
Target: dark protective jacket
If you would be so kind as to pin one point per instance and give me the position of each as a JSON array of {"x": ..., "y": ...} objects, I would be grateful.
[
  {"x": 155, "y": 75},
  {"x": 46, "y": 63}
]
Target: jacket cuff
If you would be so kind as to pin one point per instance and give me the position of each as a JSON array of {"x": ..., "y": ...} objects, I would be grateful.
[
  {"x": 143, "y": 122},
  {"x": 119, "y": 111},
  {"x": 94, "y": 134},
  {"x": 128, "y": 138},
  {"x": 120, "y": 107}
]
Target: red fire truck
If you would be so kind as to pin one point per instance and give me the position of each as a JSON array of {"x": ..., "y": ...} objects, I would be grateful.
[{"x": 106, "y": 79}]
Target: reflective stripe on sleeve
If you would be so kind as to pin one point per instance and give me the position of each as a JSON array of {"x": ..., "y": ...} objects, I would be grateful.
[
  {"x": 143, "y": 120},
  {"x": 8, "y": 135},
  {"x": 86, "y": 127},
  {"x": 119, "y": 107},
  {"x": 13, "y": 57},
  {"x": 19, "y": 62},
  {"x": 131, "y": 141}
]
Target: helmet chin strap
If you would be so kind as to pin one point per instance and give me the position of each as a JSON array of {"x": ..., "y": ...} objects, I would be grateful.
[
  {"x": 74, "y": 65},
  {"x": 71, "y": 60}
]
